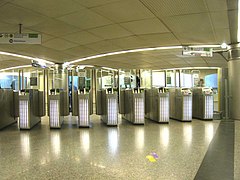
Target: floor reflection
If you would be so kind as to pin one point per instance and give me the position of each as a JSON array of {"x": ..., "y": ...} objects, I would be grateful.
[
  {"x": 209, "y": 130},
  {"x": 139, "y": 137},
  {"x": 187, "y": 133},
  {"x": 25, "y": 144},
  {"x": 113, "y": 140},
  {"x": 85, "y": 140},
  {"x": 56, "y": 143},
  {"x": 164, "y": 136}
]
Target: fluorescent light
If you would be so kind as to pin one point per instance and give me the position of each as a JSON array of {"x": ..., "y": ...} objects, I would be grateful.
[
  {"x": 206, "y": 46},
  {"x": 123, "y": 52},
  {"x": 83, "y": 66},
  {"x": 184, "y": 68},
  {"x": 238, "y": 31},
  {"x": 16, "y": 67},
  {"x": 109, "y": 68},
  {"x": 25, "y": 57}
]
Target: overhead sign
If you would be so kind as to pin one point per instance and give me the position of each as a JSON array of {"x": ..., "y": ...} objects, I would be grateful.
[
  {"x": 197, "y": 51},
  {"x": 29, "y": 38}
]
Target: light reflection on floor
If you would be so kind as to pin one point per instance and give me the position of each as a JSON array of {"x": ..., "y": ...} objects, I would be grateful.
[
  {"x": 103, "y": 152},
  {"x": 56, "y": 143},
  {"x": 209, "y": 131},
  {"x": 139, "y": 137},
  {"x": 187, "y": 133},
  {"x": 164, "y": 136},
  {"x": 85, "y": 140},
  {"x": 25, "y": 144},
  {"x": 113, "y": 140}
]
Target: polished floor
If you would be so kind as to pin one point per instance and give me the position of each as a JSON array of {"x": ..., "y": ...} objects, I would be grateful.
[{"x": 102, "y": 152}]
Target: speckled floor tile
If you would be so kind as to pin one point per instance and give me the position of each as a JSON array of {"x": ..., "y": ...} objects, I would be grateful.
[
  {"x": 237, "y": 151},
  {"x": 102, "y": 152}
]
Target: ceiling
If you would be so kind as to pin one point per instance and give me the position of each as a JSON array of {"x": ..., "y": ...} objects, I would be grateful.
[{"x": 73, "y": 29}]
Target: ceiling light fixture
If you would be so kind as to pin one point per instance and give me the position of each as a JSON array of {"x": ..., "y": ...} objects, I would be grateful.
[
  {"x": 16, "y": 67},
  {"x": 224, "y": 45},
  {"x": 26, "y": 57}
]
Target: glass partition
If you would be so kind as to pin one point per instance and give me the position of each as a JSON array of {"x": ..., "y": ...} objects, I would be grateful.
[
  {"x": 146, "y": 78},
  {"x": 170, "y": 78},
  {"x": 127, "y": 78},
  {"x": 186, "y": 79},
  {"x": 58, "y": 78},
  {"x": 158, "y": 79},
  {"x": 9, "y": 80}
]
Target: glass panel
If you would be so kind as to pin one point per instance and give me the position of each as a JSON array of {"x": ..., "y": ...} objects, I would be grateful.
[
  {"x": 146, "y": 78},
  {"x": 170, "y": 78},
  {"x": 186, "y": 79},
  {"x": 127, "y": 78},
  {"x": 158, "y": 79},
  {"x": 9, "y": 80}
]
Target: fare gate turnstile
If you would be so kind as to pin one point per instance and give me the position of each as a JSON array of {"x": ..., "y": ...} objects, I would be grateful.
[
  {"x": 107, "y": 107},
  {"x": 157, "y": 105},
  {"x": 31, "y": 108},
  {"x": 58, "y": 107},
  {"x": 132, "y": 101},
  {"x": 203, "y": 103},
  {"x": 82, "y": 107},
  {"x": 181, "y": 104},
  {"x": 9, "y": 109}
]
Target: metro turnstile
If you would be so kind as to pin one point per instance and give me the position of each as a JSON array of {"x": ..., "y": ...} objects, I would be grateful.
[
  {"x": 132, "y": 105},
  {"x": 157, "y": 105},
  {"x": 58, "y": 107},
  {"x": 8, "y": 107},
  {"x": 181, "y": 104},
  {"x": 107, "y": 107},
  {"x": 31, "y": 108},
  {"x": 203, "y": 103},
  {"x": 82, "y": 107}
]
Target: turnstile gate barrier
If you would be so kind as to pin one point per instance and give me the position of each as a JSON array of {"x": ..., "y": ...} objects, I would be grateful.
[
  {"x": 58, "y": 107},
  {"x": 107, "y": 106},
  {"x": 133, "y": 103},
  {"x": 181, "y": 104},
  {"x": 82, "y": 108},
  {"x": 31, "y": 108},
  {"x": 9, "y": 108},
  {"x": 203, "y": 103},
  {"x": 157, "y": 105}
]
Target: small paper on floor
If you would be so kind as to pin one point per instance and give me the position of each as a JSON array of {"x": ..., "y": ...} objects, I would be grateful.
[{"x": 151, "y": 158}]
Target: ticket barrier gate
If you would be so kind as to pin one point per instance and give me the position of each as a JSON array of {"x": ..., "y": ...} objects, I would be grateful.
[
  {"x": 107, "y": 106},
  {"x": 82, "y": 107},
  {"x": 31, "y": 108},
  {"x": 203, "y": 103},
  {"x": 157, "y": 105},
  {"x": 9, "y": 107},
  {"x": 132, "y": 105},
  {"x": 58, "y": 107},
  {"x": 181, "y": 104}
]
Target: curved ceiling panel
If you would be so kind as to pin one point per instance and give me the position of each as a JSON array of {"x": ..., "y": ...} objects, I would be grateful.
[{"x": 73, "y": 29}]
